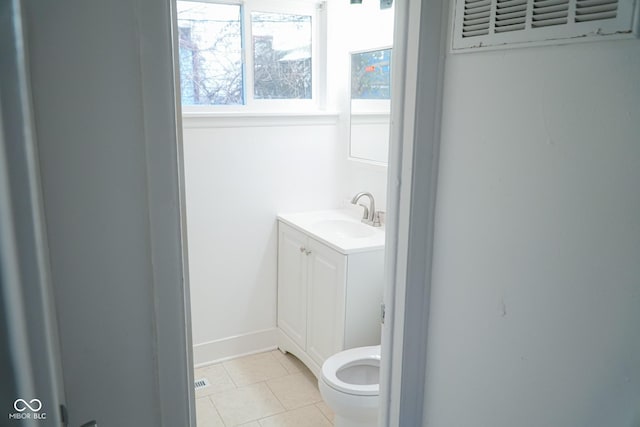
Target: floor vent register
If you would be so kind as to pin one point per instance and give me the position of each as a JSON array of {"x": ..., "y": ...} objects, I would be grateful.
[{"x": 201, "y": 383}]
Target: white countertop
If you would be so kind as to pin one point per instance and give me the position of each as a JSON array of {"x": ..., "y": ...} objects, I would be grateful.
[{"x": 340, "y": 229}]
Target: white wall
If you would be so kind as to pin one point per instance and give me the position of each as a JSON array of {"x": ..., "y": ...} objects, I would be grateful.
[
  {"x": 536, "y": 280},
  {"x": 237, "y": 180}
]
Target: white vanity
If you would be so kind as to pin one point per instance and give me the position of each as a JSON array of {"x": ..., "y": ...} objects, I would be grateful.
[{"x": 330, "y": 276}]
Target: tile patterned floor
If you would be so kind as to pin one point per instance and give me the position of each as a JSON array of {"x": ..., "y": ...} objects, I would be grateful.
[{"x": 268, "y": 389}]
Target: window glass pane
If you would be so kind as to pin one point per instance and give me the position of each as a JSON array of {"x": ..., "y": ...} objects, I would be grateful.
[
  {"x": 371, "y": 75},
  {"x": 210, "y": 53},
  {"x": 282, "y": 55}
]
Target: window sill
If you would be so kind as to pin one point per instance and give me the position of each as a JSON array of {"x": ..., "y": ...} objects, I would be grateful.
[{"x": 257, "y": 119}]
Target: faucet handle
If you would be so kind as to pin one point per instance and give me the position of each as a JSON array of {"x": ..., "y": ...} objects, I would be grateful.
[{"x": 379, "y": 218}]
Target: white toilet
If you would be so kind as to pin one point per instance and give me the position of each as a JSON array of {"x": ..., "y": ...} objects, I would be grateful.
[{"x": 350, "y": 385}]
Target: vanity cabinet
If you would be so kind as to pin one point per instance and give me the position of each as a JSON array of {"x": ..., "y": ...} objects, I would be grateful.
[{"x": 328, "y": 301}]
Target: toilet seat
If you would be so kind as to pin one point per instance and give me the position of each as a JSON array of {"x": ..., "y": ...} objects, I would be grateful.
[{"x": 349, "y": 358}]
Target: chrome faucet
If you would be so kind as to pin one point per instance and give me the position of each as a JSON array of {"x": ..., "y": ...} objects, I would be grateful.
[{"x": 370, "y": 215}]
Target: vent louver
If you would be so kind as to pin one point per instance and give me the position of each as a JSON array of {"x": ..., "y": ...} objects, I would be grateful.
[
  {"x": 476, "y": 17},
  {"x": 549, "y": 12},
  {"x": 593, "y": 10},
  {"x": 511, "y": 15},
  {"x": 498, "y": 23}
]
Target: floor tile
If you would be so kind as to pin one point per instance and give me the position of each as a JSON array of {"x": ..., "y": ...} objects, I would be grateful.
[
  {"x": 291, "y": 363},
  {"x": 198, "y": 372},
  {"x": 206, "y": 414},
  {"x": 308, "y": 416},
  {"x": 218, "y": 377},
  {"x": 254, "y": 368},
  {"x": 295, "y": 390},
  {"x": 309, "y": 375},
  {"x": 246, "y": 404},
  {"x": 326, "y": 411}
]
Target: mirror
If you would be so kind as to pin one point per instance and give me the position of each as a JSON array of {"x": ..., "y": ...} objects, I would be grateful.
[{"x": 370, "y": 105}]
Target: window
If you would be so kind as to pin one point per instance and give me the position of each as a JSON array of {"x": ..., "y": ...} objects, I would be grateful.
[
  {"x": 281, "y": 55},
  {"x": 210, "y": 53},
  {"x": 218, "y": 67}
]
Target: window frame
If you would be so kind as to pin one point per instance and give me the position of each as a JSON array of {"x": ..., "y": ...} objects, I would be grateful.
[{"x": 315, "y": 9}]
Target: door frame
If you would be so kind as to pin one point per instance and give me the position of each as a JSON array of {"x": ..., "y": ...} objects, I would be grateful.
[{"x": 418, "y": 79}]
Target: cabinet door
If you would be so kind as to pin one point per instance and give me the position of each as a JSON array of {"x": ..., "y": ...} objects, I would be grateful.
[
  {"x": 292, "y": 284},
  {"x": 327, "y": 278}
]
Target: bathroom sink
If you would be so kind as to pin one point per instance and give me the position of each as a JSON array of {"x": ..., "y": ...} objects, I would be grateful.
[
  {"x": 340, "y": 229},
  {"x": 344, "y": 228}
]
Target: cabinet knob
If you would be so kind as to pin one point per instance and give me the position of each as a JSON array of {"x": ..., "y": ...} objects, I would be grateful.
[{"x": 302, "y": 249}]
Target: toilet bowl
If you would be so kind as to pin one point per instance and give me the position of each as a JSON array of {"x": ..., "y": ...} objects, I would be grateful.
[{"x": 350, "y": 386}]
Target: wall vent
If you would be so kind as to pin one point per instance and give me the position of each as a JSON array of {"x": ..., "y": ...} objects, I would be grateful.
[{"x": 504, "y": 23}]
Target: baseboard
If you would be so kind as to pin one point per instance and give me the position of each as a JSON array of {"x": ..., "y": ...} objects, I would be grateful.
[{"x": 232, "y": 347}]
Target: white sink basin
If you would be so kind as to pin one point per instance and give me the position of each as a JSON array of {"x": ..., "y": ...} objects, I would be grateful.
[
  {"x": 344, "y": 228},
  {"x": 340, "y": 229}
]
